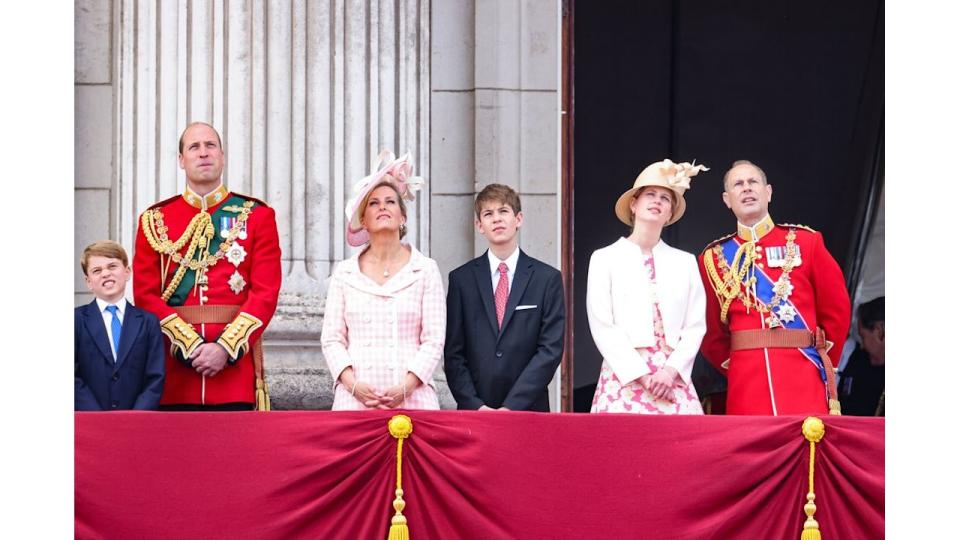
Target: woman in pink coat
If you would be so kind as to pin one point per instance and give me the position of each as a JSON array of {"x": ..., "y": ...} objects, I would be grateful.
[{"x": 385, "y": 317}]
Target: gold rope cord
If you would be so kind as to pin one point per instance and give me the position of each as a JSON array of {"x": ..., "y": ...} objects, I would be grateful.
[
  {"x": 813, "y": 431},
  {"x": 199, "y": 232},
  {"x": 400, "y": 426}
]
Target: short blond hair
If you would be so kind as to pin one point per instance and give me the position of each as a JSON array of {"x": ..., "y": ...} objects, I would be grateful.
[{"x": 103, "y": 248}]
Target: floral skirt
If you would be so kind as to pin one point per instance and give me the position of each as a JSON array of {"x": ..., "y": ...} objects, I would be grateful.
[{"x": 612, "y": 396}]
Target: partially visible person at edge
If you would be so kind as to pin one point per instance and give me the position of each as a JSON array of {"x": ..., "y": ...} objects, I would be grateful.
[
  {"x": 777, "y": 303},
  {"x": 118, "y": 349},
  {"x": 645, "y": 302},
  {"x": 384, "y": 321},
  {"x": 207, "y": 264},
  {"x": 862, "y": 379}
]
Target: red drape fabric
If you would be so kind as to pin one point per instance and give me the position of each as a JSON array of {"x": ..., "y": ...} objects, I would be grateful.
[{"x": 472, "y": 474}]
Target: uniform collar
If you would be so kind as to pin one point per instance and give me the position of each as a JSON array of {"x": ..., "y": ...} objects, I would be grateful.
[
  {"x": 203, "y": 202},
  {"x": 758, "y": 231}
]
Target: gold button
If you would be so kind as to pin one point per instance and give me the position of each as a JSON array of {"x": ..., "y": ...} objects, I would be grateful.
[{"x": 760, "y": 265}]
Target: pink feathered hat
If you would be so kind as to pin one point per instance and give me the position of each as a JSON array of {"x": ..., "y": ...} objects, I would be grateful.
[{"x": 388, "y": 167}]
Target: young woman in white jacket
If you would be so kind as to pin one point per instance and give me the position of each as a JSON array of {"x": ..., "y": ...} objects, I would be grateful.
[{"x": 645, "y": 302}]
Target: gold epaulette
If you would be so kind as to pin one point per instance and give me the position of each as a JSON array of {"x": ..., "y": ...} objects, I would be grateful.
[
  {"x": 182, "y": 335},
  {"x": 163, "y": 202},
  {"x": 250, "y": 198},
  {"x": 236, "y": 336},
  {"x": 796, "y": 226},
  {"x": 717, "y": 241}
]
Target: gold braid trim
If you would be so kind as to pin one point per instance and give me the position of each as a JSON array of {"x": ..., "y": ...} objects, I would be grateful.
[
  {"x": 236, "y": 336},
  {"x": 727, "y": 288},
  {"x": 181, "y": 334},
  {"x": 199, "y": 233},
  {"x": 719, "y": 284}
]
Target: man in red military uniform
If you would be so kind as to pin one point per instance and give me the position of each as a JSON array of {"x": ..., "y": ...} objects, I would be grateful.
[
  {"x": 779, "y": 302},
  {"x": 207, "y": 264}
]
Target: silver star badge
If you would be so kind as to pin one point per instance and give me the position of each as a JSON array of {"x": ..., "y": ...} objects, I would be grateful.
[
  {"x": 236, "y": 283},
  {"x": 784, "y": 288},
  {"x": 236, "y": 254},
  {"x": 786, "y": 313}
]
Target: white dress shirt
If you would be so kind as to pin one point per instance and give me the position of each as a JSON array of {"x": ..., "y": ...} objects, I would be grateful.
[
  {"x": 108, "y": 318},
  {"x": 495, "y": 267}
]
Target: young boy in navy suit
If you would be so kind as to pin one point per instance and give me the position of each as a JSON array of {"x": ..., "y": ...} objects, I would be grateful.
[
  {"x": 118, "y": 351},
  {"x": 505, "y": 316}
]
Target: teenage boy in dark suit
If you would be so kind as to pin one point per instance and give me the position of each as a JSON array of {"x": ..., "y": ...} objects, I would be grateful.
[{"x": 505, "y": 316}]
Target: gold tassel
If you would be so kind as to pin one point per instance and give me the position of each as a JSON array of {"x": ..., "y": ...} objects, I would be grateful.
[
  {"x": 400, "y": 426},
  {"x": 834, "y": 405},
  {"x": 262, "y": 396},
  {"x": 813, "y": 431}
]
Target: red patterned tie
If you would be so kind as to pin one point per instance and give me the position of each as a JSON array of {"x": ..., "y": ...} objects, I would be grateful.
[{"x": 503, "y": 291}]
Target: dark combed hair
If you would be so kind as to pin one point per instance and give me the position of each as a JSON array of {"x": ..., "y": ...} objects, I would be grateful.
[{"x": 870, "y": 313}]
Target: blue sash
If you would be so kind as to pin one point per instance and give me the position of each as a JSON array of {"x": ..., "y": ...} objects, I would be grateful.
[{"x": 765, "y": 294}]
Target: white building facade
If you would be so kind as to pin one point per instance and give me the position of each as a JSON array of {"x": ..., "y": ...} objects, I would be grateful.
[{"x": 305, "y": 95}]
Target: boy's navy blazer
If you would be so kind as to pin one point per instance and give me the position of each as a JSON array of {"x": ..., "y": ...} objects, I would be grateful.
[
  {"x": 510, "y": 366},
  {"x": 135, "y": 380}
]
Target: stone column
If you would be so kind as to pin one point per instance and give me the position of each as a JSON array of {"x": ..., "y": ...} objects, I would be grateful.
[
  {"x": 95, "y": 185},
  {"x": 496, "y": 119},
  {"x": 305, "y": 95}
]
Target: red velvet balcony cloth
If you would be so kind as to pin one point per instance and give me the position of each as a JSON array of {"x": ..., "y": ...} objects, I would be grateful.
[{"x": 471, "y": 474}]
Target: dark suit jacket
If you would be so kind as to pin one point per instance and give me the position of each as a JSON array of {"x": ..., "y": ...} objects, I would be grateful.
[
  {"x": 510, "y": 367},
  {"x": 135, "y": 380}
]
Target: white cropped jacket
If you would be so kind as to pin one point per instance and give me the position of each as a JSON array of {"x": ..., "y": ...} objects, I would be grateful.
[{"x": 620, "y": 306}]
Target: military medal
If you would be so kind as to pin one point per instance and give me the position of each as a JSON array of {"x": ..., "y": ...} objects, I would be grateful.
[
  {"x": 776, "y": 256},
  {"x": 773, "y": 321},
  {"x": 236, "y": 283},
  {"x": 236, "y": 254},
  {"x": 226, "y": 223},
  {"x": 786, "y": 312},
  {"x": 783, "y": 288},
  {"x": 243, "y": 231}
]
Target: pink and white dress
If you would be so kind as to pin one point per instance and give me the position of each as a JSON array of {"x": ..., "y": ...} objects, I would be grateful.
[{"x": 615, "y": 397}]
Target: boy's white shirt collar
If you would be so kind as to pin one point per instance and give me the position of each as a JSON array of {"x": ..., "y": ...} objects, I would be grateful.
[
  {"x": 121, "y": 306},
  {"x": 511, "y": 261},
  {"x": 495, "y": 266}
]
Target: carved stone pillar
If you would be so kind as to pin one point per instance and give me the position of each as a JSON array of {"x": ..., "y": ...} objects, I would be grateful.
[{"x": 305, "y": 95}]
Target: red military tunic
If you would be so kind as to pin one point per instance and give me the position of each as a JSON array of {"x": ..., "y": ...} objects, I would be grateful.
[
  {"x": 774, "y": 380},
  {"x": 240, "y": 267}
]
